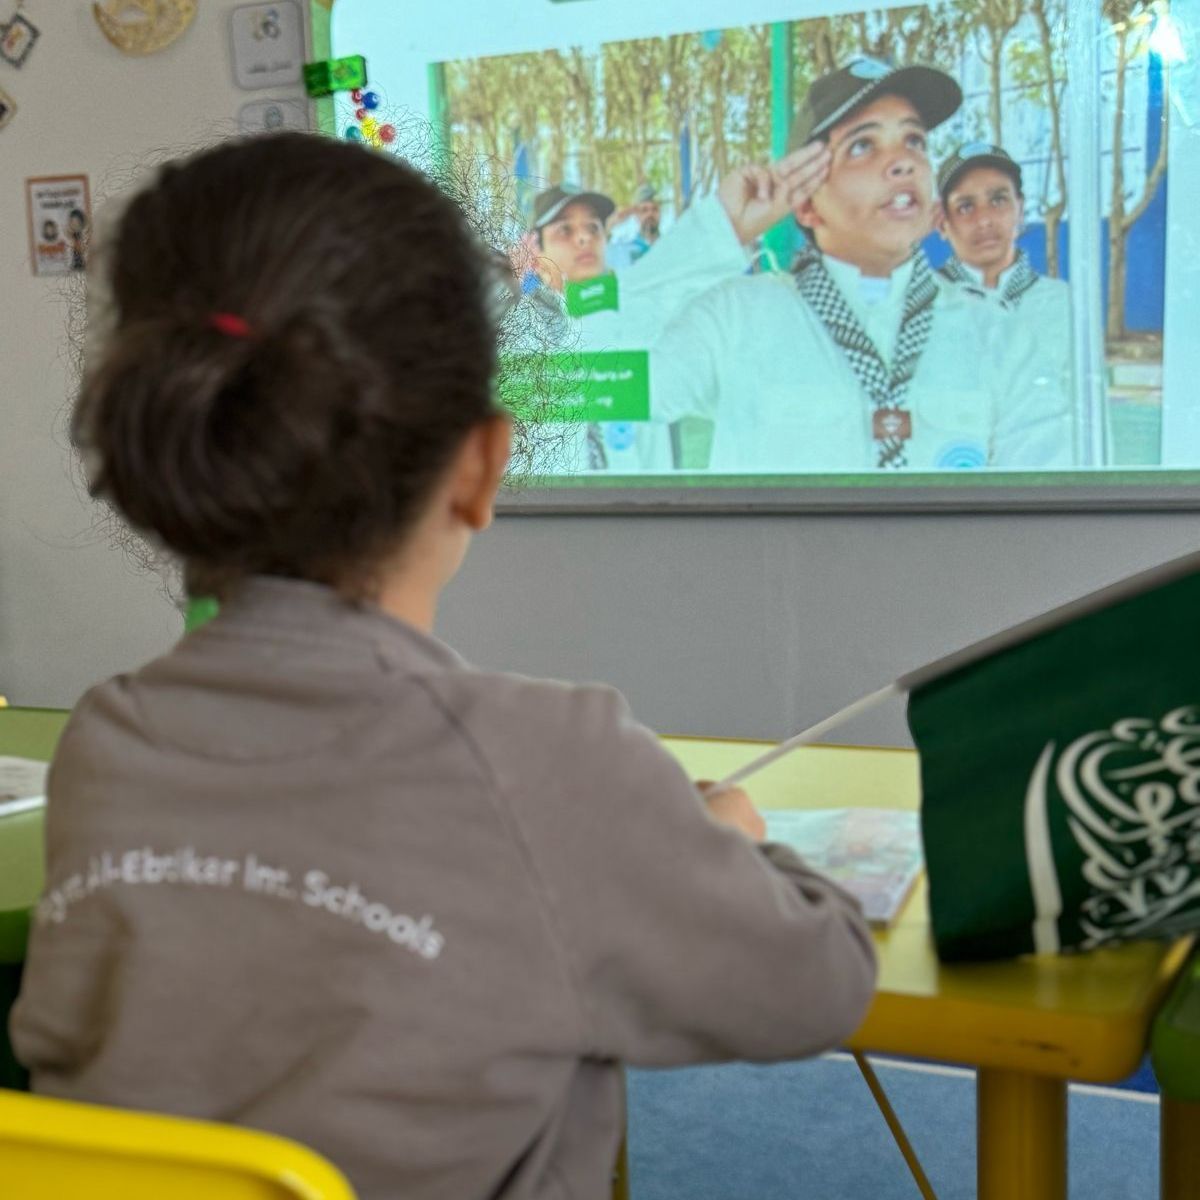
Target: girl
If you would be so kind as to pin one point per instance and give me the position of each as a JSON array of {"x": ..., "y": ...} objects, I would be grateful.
[{"x": 310, "y": 871}]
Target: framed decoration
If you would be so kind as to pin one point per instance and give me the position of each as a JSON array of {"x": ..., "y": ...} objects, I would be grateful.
[
  {"x": 268, "y": 116},
  {"x": 8, "y": 106},
  {"x": 268, "y": 44},
  {"x": 143, "y": 26},
  {"x": 59, "y": 211},
  {"x": 17, "y": 39}
]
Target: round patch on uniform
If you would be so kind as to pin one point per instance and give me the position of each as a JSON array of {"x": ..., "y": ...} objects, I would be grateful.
[
  {"x": 961, "y": 456},
  {"x": 619, "y": 435}
]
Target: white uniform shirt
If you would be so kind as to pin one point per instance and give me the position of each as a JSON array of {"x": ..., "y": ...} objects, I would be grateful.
[
  {"x": 877, "y": 303},
  {"x": 1044, "y": 310},
  {"x": 701, "y": 249},
  {"x": 752, "y": 356}
]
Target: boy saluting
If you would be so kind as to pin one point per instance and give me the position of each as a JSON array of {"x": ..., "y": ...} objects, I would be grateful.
[
  {"x": 567, "y": 246},
  {"x": 860, "y": 358}
]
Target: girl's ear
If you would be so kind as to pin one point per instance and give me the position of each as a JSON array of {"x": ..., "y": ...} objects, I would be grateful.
[
  {"x": 939, "y": 218},
  {"x": 479, "y": 471}
]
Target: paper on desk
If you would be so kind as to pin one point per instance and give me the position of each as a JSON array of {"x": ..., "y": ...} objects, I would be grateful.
[
  {"x": 22, "y": 780},
  {"x": 874, "y": 853}
]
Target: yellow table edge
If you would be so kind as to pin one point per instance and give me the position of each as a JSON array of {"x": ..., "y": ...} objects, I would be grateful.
[
  {"x": 1097, "y": 1046},
  {"x": 978, "y": 1014}
]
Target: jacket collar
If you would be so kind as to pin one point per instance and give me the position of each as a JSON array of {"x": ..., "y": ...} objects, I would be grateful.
[{"x": 307, "y": 615}]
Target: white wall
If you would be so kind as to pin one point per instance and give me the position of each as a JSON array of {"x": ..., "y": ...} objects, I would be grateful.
[
  {"x": 71, "y": 609},
  {"x": 716, "y": 625}
]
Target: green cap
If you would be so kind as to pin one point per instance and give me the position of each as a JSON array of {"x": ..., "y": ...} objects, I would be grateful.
[
  {"x": 551, "y": 202},
  {"x": 976, "y": 154},
  {"x": 834, "y": 97}
]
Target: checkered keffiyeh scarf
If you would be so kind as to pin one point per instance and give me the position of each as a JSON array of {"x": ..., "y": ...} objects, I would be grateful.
[
  {"x": 597, "y": 458},
  {"x": 886, "y": 386},
  {"x": 1021, "y": 278}
]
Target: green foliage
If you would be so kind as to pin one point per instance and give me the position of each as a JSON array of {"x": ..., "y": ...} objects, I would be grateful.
[{"x": 613, "y": 119}]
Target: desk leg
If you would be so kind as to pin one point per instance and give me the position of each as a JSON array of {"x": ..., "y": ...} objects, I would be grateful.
[
  {"x": 1178, "y": 1149},
  {"x": 1021, "y": 1136}
]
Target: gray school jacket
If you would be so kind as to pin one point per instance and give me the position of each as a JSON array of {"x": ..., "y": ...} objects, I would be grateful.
[{"x": 310, "y": 872}]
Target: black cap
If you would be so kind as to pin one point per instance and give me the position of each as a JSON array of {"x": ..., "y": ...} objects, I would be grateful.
[
  {"x": 833, "y": 97},
  {"x": 976, "y": 154},
  {"x": 552, "y": 201}
]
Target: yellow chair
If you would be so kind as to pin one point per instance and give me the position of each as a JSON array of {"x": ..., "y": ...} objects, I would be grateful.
[
  {"x": 56, "y": 1150},
  {"x": 60, "y": 1150}
]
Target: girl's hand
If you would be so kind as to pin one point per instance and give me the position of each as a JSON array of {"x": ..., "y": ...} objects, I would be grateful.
[{"x": 733, "y": 807}]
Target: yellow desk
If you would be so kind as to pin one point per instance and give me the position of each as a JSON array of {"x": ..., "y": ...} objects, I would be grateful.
[{"x": 1027, "y": 1025}]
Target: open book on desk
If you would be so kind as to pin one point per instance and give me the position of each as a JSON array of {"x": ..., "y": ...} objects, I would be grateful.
[
  {"x": 22, "y": 785},
  {"x": 874, "y": 853}
]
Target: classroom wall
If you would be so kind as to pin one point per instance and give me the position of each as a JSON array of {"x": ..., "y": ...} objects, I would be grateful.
[
  {"x": 761, "y": 626},
  {"x": 731, "y": 625},
  {"x": 71, "y": 608}
]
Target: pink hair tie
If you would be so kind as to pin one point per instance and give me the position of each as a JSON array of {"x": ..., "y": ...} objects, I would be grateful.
[{"x": 231, "y": 325}]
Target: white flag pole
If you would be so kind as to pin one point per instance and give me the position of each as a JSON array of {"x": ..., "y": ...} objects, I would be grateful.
[
  {"x": 1123, "y": 589},
  {"x": 804, "y": 737}
]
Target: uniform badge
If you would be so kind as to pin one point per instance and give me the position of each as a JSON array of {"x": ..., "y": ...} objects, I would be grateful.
[{"x": 891, "y": 424}]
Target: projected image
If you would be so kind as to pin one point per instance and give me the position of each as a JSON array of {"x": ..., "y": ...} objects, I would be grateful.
[{"x": 839, "y": 245}]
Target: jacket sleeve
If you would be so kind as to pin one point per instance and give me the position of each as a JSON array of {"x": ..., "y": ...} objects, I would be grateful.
[
  {"x": 666, "y": 295},
  {"x": 698, "y": 252},
  {"x": 687, "y": 941},
  {"x": 685, "y": 359}
]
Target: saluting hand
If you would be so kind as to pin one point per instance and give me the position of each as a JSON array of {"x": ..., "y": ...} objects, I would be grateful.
[{"x": 756, "y": 197}]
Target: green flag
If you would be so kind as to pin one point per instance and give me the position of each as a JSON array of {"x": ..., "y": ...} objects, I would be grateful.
[{"x": 1060, "y": 774}]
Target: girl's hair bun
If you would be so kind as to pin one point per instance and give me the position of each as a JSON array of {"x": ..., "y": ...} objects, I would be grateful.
[{"x": 304, "y": 442}]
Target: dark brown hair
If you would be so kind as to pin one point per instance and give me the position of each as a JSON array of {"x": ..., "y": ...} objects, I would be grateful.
[{"x": 308, "y": 447}]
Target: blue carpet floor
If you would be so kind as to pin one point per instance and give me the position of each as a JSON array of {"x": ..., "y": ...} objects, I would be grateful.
[{"x": 811, "y": 1131}]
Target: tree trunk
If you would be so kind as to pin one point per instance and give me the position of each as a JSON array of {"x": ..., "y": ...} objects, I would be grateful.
[
  {"x": 914, "y": 37},
  {"x": 1115, "y": 324},
  {"x": 1054, "y": 212},
  {"x": 643, "y": 145},
  {"x": 995, "y": 74},
  {"x": 824, "y": 53},
  {"x": 558, "y": 155},
  {"x": 581, "y": 86},
  {"x": 719, "y": 149},
  {"x": 677, "y": 99}
]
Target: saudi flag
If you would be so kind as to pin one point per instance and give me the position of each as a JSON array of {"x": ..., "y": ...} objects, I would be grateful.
[{"x": 1060, "y": 774}]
